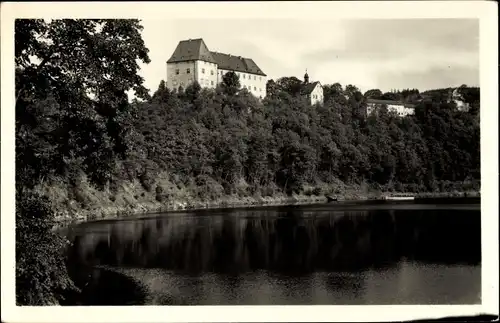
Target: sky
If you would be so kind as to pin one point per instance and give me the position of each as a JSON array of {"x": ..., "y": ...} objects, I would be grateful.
[{"x": 380, "y": 54}]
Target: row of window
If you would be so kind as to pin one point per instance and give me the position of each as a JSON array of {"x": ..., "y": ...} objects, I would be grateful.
[
  {"x": 250, "y": 88},
  {"x": 188, "y": 71},
  {"x": 203, "y": 71},
  {"x": 203, "y": 81},
  {"x": 175, "y": 83},
  {"x": 244, "y": 76}
]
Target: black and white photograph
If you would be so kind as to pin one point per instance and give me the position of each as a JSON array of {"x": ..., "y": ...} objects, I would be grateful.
[{"x": 228, "y": 158}]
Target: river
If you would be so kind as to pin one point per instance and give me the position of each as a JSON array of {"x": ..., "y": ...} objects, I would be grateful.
[{"x": 331, "y": 254}]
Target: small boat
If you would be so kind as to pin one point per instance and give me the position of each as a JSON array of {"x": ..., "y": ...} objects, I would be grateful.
[
  {"x": 331, "y": 198},
  {"x": 400, "y": 198}
]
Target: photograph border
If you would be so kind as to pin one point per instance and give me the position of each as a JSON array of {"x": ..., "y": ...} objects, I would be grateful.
[{"x": 485, "y": 11}]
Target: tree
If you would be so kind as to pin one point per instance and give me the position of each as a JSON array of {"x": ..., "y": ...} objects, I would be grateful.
[
  {"x": 73, "y": 77},
  {"x": 231, "y": 83},
  {"x": 271, "y": 89},
  {"x": 161, "y": 94},
  {"x": 290, "y": 85},
  {"x": 373, "y": 94},
  {"x": 390, "y": 96},
  {"x": 335, "y": 93},
  {"x": 86, "y": 68}
]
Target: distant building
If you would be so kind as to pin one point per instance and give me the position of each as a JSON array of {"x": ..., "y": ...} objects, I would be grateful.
[
  {"x": 193, "y": 61},
  {"x": 313, "y": 92},
  {"x": 400, "y": 108},
  {"x": 457, "y": 97}
]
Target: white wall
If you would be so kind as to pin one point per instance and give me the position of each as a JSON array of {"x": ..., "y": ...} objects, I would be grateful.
[
  {"x": 317, "y": 95},
  {"x": 206, "y": 74},
  {"x": 255, "y": 84},
  {"x": 400, "y": 109}
]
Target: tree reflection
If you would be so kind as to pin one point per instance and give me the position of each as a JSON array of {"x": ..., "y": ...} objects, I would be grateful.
[{"x": 285, "y": 240}]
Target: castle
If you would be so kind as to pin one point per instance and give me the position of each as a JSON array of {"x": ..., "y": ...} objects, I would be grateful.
[{"x": 193, "y": 61}]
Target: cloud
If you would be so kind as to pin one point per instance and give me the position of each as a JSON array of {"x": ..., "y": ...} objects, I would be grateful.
[
  {"x": 369, "y": 53},
  {"x": 438, "y": 77},
  {"x": 388, "y": 53}
]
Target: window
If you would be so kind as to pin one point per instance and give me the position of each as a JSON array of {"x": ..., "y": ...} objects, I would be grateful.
[
  {"x": 254, "y": 88},
  {"x": 221, "y": 73},
  {"x": 260, "y": 89},
  {"x": 188, "y": 71},
  {"x": 211, "y": 72},
  {"x": 177, "y": 71},
  {"x": 211, "y": 82},
  {"x": 260, "y": 78},
  {"x": 202, "y": 71},
  {"x": 254, "y": 77},
  {"x": 243, "y": 75}
]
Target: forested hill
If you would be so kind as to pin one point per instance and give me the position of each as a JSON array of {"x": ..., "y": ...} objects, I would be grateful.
[
  {"x": 229, "y": 138},
  {"x": 74, "y": 123},
  {"x": 81, "y": 146}
]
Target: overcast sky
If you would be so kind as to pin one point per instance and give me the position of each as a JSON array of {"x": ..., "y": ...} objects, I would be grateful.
[{"x": 383, "y": 54}]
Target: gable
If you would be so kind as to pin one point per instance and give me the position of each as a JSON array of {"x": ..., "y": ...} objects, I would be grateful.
[
  {"x": 191, "y": 50},
  {"x": 309, "y": 87}
]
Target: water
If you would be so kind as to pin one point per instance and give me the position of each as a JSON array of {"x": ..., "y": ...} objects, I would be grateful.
[{"x": 334, "y": 254}]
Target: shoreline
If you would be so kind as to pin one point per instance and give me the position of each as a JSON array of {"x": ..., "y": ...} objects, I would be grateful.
[{"x": 143, "y": 210}]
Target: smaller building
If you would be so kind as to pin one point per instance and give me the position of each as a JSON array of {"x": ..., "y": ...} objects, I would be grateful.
[
  {"x": 400, "y": 108},
  {"x": 313, "y": 92},
  {"x": 457, "y": 97}
]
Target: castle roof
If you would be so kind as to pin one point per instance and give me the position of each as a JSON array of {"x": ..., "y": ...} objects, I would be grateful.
[
  {"x": 237, "y": 63},
  {"x": 308, "y": 88},
  {"x": 191, "y": 50}
]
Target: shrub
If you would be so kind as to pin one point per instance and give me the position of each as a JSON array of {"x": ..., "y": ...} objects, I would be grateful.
[
  {"x": 41, "y": 273},
  {"x": 317, "y": 191}
]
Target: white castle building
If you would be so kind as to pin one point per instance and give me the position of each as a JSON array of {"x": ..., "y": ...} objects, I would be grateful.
[{"x": 193, "y": 61}]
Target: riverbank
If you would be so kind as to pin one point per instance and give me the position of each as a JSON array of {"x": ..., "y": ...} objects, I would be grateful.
[{"x": 84, "y": 202}]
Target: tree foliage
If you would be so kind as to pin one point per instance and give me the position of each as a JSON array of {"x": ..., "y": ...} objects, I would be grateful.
[
  {"x": 72, "y": 80},
  {"x": 283, "y": 141},
  {"x": 72, "y": 116}
]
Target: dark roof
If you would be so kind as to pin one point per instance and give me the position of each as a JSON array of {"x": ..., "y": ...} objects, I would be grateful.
[
  {"x": 308, "y": 87},
  {"x": 236, "y": 63},
  {"x": 190, "y": 50},
  {"x": 196, "y": 49}
]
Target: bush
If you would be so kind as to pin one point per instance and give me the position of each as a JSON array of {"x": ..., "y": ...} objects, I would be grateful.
[
  {"x": 317, "y": 191},
  {"x": 41, "y": 273}
]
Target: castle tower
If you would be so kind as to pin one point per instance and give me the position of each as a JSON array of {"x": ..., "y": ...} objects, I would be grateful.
[
  {"x": 306, "y": 78},
  {"x": 191, "y": 61}
]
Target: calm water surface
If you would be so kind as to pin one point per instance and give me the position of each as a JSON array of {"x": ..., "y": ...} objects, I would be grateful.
[{"x": 335, "y": 254}]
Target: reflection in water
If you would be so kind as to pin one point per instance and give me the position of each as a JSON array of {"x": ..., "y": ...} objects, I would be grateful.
[{"x": 294, "y": 255}]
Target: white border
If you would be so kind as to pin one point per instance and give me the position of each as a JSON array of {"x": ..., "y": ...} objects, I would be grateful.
[{"x": 484, "y": 10}]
